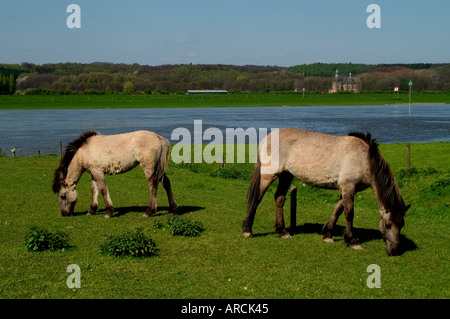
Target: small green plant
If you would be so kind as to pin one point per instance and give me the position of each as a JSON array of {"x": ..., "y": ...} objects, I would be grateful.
[
  {"x": 230, "y": 173},
  {"x": 158, "y": 225},
  {"x": 440, "y": 187},
  {"x": 129, "y": 244},
  {"x": 188, "y": 166},
  {"x": 180, "y": 226},
  {"x": 184, "y": 227},
  {"x": 412, "y": 174},
  {"x": 39, "y": 239}
]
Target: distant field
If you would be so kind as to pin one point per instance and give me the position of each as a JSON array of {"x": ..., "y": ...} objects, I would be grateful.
[
  {"x": 230, "y": 100},
  {"x": 220, "y": 263}
]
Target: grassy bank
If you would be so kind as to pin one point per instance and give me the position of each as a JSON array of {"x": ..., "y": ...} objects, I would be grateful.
[
  {"x": 220, "y": 263},
  {"x": 160, "y": 101}
]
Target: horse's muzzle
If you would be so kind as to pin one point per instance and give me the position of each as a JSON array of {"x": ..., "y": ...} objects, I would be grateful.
[
  {"x": 393, "y": 252},
  {"x": 392, "y": 248}
]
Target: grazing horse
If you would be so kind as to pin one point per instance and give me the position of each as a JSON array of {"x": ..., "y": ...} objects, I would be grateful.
[
  {"x": 349, "y": 163},
  {"x": 112, "y": 154}
]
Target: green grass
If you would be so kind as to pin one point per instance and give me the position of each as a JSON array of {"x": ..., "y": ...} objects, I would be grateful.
[
  {"x": 219, "y": 262},
  {"x": 163, "y": 101}
]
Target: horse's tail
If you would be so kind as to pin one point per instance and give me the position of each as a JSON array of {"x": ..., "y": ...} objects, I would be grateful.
[
  {"x": 253, "y": 190},
  {"x": 161, "y": 163},
  {"x": 252, "y": 197}
]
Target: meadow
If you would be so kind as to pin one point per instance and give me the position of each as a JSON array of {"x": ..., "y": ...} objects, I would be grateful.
[
  {"x": 27, "y": 102},
  {"x": 220, "y": 263}
]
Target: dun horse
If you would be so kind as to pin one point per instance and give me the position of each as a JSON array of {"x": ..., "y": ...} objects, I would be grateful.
[
  {"x": 349, "y": 163},
  {"x": 112, "y": 154}
]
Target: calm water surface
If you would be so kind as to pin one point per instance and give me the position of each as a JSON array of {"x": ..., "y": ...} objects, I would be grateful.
[{"x": 30, "y": 130}]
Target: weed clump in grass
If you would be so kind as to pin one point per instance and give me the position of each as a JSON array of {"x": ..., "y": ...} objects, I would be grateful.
[
  {"x": 180, "y": 226},
  {"x": 440, "y": 187},
  {"x": 187, "y": 166},
  {"x": 184, "y": 227},
  {"x": 412, "y": 174},
  {"x": 231, "y": 173},
  {"x": 39, "y": 239},
  {"x": 129, "y": 244}
]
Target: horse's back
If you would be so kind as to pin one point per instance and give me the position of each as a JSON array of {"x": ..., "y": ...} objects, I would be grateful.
[
  {"x": 121, "y": 152},
  {"x": 323, "y": 160},
  {"x": 149, "y": 146}
]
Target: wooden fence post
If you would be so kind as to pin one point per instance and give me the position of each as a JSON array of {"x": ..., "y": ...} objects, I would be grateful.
[{"x": 293, "y": 198}]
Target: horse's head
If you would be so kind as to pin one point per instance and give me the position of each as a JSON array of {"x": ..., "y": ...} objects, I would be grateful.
[
  {"x": 63, "y": 187},
  {"x": 390, "y": 227},
  {"x": 67, "y": 197}
]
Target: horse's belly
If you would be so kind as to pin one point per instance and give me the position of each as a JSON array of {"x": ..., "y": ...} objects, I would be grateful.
[
  {"x": 318, "y": 176},
  {"x": 112, "y": 164},
  {"x": 325, "y": 181},
  {"x": 118, "y": 167}
]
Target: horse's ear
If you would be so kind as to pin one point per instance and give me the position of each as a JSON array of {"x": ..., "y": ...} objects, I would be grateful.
[{"x": 407, "y": 207}]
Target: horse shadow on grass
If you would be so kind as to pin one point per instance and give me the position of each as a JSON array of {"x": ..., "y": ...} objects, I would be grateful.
[
  {"x": 161, "y": 210},
  {"x": 362, "y": 235}
]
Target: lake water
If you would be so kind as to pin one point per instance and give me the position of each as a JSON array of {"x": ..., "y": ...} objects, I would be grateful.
[{"x": 30, "y": 130}]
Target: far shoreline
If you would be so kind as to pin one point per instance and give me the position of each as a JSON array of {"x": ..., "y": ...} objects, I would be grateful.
[{"x": 103, "y": 101}]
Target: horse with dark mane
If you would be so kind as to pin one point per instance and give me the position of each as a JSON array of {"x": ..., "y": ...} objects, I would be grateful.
[
  {"x": 349, "y": 163},
  {"x": 112, "y": 154}
]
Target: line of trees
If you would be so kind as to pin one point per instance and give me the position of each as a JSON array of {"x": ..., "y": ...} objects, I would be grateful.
[
  {"x": 109, "y": 78},
  {"x": 7, "y": 84},
  {"x": 327, "y": 69}
]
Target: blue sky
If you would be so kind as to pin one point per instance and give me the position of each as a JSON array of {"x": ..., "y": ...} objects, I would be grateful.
[{"x": 261, "y": 32}]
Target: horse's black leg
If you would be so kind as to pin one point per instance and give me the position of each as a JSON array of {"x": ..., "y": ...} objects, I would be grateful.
[
  {"x": 329, "y": 226},
  {"x": 151, "y": 210},
  {"x": 348, "y": 201},
  {"x": 173, "y": 205},
  {"x": 94, "y": 204},
  {"x": 284, "y": 181},
  {"x": 247, "y": 223}
]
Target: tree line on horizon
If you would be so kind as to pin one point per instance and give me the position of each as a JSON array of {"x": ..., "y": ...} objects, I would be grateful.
[{"x": 110, "y": 78}]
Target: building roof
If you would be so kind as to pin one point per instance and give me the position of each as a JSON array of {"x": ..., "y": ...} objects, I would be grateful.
[{"x": 206, "y": 92}]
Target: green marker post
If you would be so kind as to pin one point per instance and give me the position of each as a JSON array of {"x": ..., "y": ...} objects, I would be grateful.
[{"x": 410, "y": 85}]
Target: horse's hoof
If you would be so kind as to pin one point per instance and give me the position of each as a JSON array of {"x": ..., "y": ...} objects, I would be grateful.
[
  {"x": 286, "y": 236},
  {"x": 357, "y": 247},
  {"x": 174, "y": 211},
  {"x": 328, "y": 240},
  {"x": 109, "y": 214},
  {"x": 149, "y": 213},
  {"x": 247, "y": 234}
]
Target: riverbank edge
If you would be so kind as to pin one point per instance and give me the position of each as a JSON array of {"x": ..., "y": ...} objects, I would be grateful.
[
  {"x": 5, "y": 154},
  {"x": 36, "y": 102}
]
